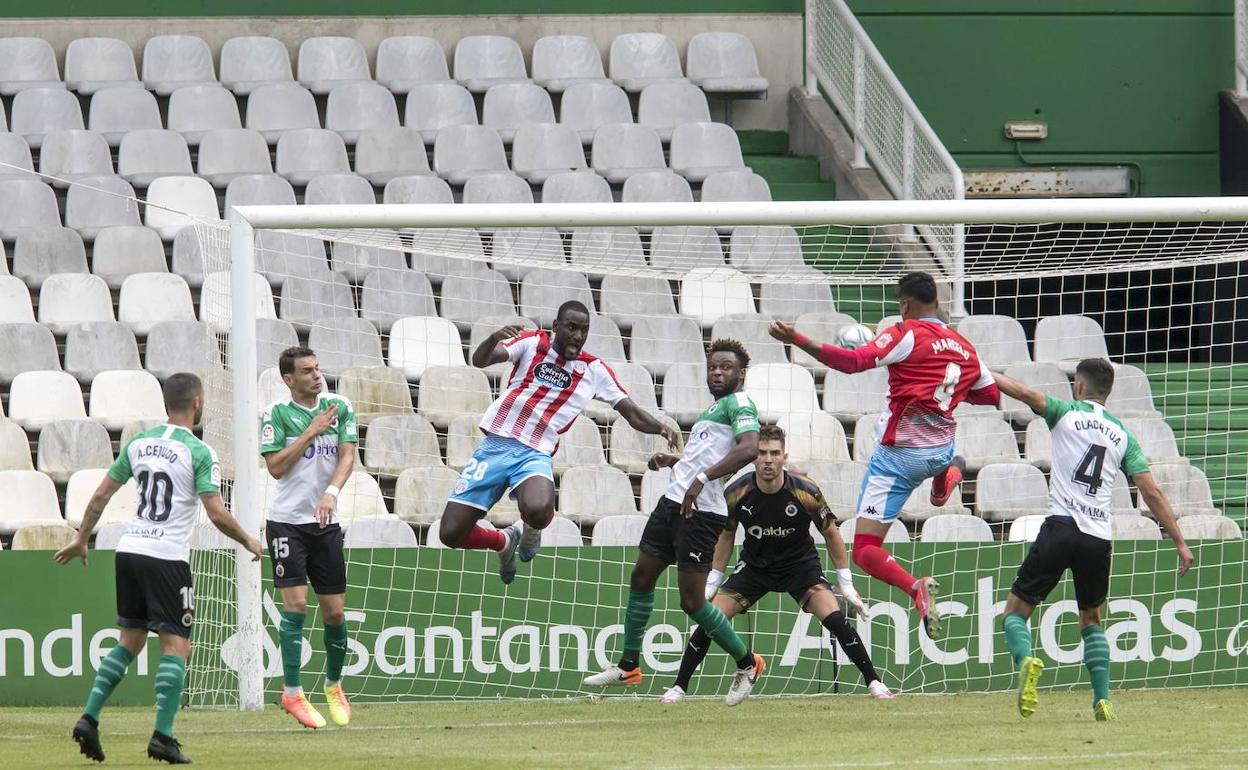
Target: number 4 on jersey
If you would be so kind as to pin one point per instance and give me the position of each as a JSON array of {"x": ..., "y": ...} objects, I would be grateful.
[
  {"x": 1088, "y": 472},
  {"x": 943, "y": 395}
]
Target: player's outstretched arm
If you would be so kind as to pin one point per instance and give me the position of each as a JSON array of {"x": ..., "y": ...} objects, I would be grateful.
[
  {"x": 1034, "y": 399},
  {"x": 229, "y": 526},
  {"x": 1160, "y": 506},
  {"x": 278, "y": 463},
  {"x": 491, "y": 350},
  {"x": 841, "y": 359},
  {"x": 95, "y": 508},
  {"x": 643, "y": 421}
]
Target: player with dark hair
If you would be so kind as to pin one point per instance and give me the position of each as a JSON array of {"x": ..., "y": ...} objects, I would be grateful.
[
  {"x": 174, "y": 473},
  {"x": 686, "y": 522},
  {"x": 1089, "y": 447},
  {"x": 551, "y": 382},
  {"x": 774, "y": 505},
  {"x": 931, "y": 369},
  {"x": 309, "y": 443}
]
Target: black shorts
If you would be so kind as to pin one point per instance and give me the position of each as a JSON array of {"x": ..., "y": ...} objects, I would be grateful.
[
  {"x": 748, "y": 584},
  {"x": 154, "y": 594},
  {"x": 1062, "y": 546},
  {"x": 307, "y": 553},
  {"x": 687, "y": 543}
]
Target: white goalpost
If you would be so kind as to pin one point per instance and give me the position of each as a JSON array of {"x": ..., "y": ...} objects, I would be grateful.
[{"x": 394, "y": 298}]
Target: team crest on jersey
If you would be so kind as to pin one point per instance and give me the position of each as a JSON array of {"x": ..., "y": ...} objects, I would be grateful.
[
  {"x": 186, "y": 619},
  {"x": 279, "y": 570},
  {"x": 554, "y": 376},
  {"x": 461, "y": 486},
  {"x": 882, "y": 341},
  {"x": 268, "y": 434},
  {"x": 579, "y": 367},
  {"x": 790, "y": 510}
]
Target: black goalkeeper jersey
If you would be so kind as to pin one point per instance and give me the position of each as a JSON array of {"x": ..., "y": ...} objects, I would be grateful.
[{"x": 777, "y": 526}]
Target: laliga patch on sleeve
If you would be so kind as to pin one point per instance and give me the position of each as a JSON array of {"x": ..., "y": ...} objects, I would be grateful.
[
  {"x": 215, "y": 475},
  {"x": 267, "y": 434},
  {"x": 883, "y": 340}
]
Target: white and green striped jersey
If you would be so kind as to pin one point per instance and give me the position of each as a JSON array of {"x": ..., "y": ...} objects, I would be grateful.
[
  {"x": 1089, "y": 446},
  {"x": 171, "y": 469},
  {"x": 299, "y": 490},
  {"x": 710, "y": 440}
]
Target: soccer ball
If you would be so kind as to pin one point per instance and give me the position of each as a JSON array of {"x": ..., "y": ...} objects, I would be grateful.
[{"x": 854, "y": 336}]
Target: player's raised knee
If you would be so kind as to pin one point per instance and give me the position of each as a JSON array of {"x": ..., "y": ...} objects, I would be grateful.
[{"x": 539, "y": 518}]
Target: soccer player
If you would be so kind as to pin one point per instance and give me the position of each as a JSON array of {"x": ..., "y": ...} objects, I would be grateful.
[
  {"x": 174, "y": 472},
  {"x": 551, "y": 382},
  {"x": 685, "y": 524},
  {"x": 931, "y": 369},
  {"x": 774, "y": 505},
  {"x": 1089, "y": 446},
  {"x": 308, "y": 443}
]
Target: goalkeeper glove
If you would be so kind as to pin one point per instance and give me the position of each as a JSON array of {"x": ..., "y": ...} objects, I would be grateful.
[
  {"x": 713, "y": 581},
  {"x": 845, "y": 581}
]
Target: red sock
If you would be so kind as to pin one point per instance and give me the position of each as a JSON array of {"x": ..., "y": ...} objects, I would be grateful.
[
  {"x": 480, "y": 539},
  {"x": 879, "y": 563}
]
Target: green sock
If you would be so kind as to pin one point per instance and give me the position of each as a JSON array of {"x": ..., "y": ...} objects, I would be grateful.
[
  {"x": 335, "y": 651},
  {"x": 1017, "y": 636},
  {"x": 719, "y": 628},
  {"x": 1096, "y": 660},
  {"x": 112, "y": 669},
  {"x": 290, "y": 633},
  {"x": 636, "y": 616},
  {"x": 170, "y": 674}
]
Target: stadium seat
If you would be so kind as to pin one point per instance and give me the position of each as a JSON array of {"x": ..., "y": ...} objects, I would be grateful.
[
  {"x": 840, "y": 483},
  {"x": 14, "y": 447},
  {"x": 15, "y": 306},
  {"x": 306, "y": 153},
  {"x": 476, "y": 293},
  {"x": 751, "y": 330},
  {"x": 896, "y": 533},
  {"x": 657, "y": 187},
  {"x": 587, "y": 107},
  {"x": 149, "y": 154},
  {"x": 1127, "y": 526},
  {"x": 594, "y": 492},
  {"x": 999, "y": 340},
  {"x": 631, "y": 450},
  {"x": 374, "y": 391},
  {"x": 388, "y": 295},
  {"x": 955, "y": 528},
  {"x": 345, "y": 343},
  {"x": 599, "y": 251},
  {"x": 605, "y": 340},
  {"x": 439, "y": 252},
  {"x": 353, "y": 108},
  {"x": 576, "y": 187},
  {"x": 482, "y": 61},
  {"x": 339, "y": 189},
  {"x": 68, "y": 446},
  {"x": 701, "y": 149},
  {"x": 96, "y": 63},
  {"x": 25, "y": 204},
  {"x": 100, "y": 346},
  {"x": 215, "y": 301},
  {"x": 417, "y": 189},
  {"x": 447, "y": 392},
  {"x": 918, "y": 507},
  {"x": 1025, "y": 529},
  {"x": 407, "y": 61},
  {"x": 16, "y": 157},
  {"x": 1120, "y": 496},
  {"x": 68, "y": 299},
  {"x": 46, "y": 251},
  {"x": 770, "y": 250},
  {"x": 542, "y": 291},
  {"x": 181, "y": 346},
  {"x": 664, "y": 106},
  {"x": 121, "y": 252},
  {"x": 790, "y": 301},
  {"x": 27, "y": 62},
  {"x": 25, "y": 346},
  {"x": 378, "y": 532},
  {"x": 725, "y": 63},
  {"x": 94, "y": 203},
  {"x": 1209, "y": 527},
  {"x": 561, "y": 61},
  {"x": 360, "y": 498},
  {"x": 1038, "y": 444},
  {"x": 462, "y": 438},
  {"x": 37, "y": 112},
  {"x": 108, "y": 535},
  {"x": 709, "y": 293},
  {"x": 542, "y": 149},
  {"x": 148, "y": 298},
  {"x": 115, "y": 112},
  {"x": 1004, "y": 492},
  {"x": 395, "y": 442},
  {"x": 487, "y": 325},
  {"x": 685, "y": 393},
  {"x": 173, "y": 61},
  {"x": 639, "y": 59},
  {"x": 1132, "y": 396},
  {"x": 383, "y": 154},
  {"x": 816, "y": 436},
  {"x": 1064, "y": 340},
  {"x": 1156, "y": 439},
  {"x": 562, "y": 532},
  {"x": 621, "y": 529},
  {"x": 1185, "y": 487},
  {"x": 986, "y": 441},
  {"x": 625, "y": 298},
  {"x": 327, "y": 62},
  {"x": 865, "y": 438},
  {"x": 276, "y": 108},
  {"x": 42, "y": 537},
  {"x": 195, "y": 110},
  {"x": 420, "y": 494},
  {"x": 218, "y": 390},
  {"x": 680, "y": 249},
  {"x": 580, "y": 445},
  {"x": 659, "y": 342},
  {"x": 251, "y": 61},
  {"x": 1046, "y": 378},
  {"x": 417, "y": 343},
  {"x": 432, "y": 107},
  {"x": 225, "y": 154},
  {"x": 636, "y": 381},
  {"x": 133, "y": 429},
  {"x": 30, "y": 498},
  {"x": 742, "y": 185},
  {"x": 781, "y": 390},
  {"x": 179, "y": 201},
  {"x": 258, "y": 190},
  {"x": 318, "y": 300},
  {"x": 70, "y": 155},
  {"x": 282, "y": 254},
  {"x": 121, "y": 397},
  {"x": 462, "y": 152},
  {"x": 508, "y": 106}
]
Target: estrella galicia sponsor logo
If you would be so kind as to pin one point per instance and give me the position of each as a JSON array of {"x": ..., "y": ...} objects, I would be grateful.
[{"x": 554, "y": 376}]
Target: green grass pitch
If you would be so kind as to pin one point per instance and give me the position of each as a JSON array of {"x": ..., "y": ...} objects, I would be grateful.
[{"x": 1168, "y": 729}]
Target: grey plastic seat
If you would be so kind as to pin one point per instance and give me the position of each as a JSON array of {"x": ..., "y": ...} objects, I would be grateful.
[
  {"x": 98, "y": 202},
  {"x": 346, "y": 343},
  {"x": 15, "y": 305},
  {"x": 417, "y": 189},
  {"x": 482, "y": 328},
  {"x": 374, "y": 391},
  {"x": 73, "y": 154},
  {"x": 432, "y": 107},
  {"x": 751, "y": 329},
  {"x": 788, "y": 301},
  {"x": 40, "y": 111},
  {"x": 561, "y": 61},
  {"x": 475, "y": 293},
  {"x": 986, "y": 441},
  {"x": 729, "y": 186},
  {"x": 1006, "y": 492},
  {"x": 725, "y": 63},
  {"x": 101, "y": 346},
  {"x": 273, "y": 335},
  {"x": 685, "y": 394},
  {"x": 850, "y": 396},
  {"x": 517, "y": 251},
  {"x": 622, "y": 150},
  {"x": 768, "y": 250},
  {"x": 1066, "y": 339},
  {"x": 498, "y": 187},
  {"x": 606, "y": 342},
  {"x": 955, "y": 528},
  {"x": 406, "y": 61},
  {"x": 508, "y": 106},
  {"x": 420, "y": 495},
  {"x": 114, "y": 112},
  {"x": 306, "y": 153},
  {"x": 586, "y": 107},
  {"x": 173, "y": 61},
  {"x": 576, "y": 187},
  {"x": 580, "y": 445},
  {"x": 999, "y": 340},
  {"x": 93, "y": 63},
  {"x": 46, "y": 251},
  {"x": 657, "y": 187},
  {"x": 67, "y": 446},
  {"x": 639, "y": 59},
  {"x": 27, "y": 62},
  {"x": 661, "y": 341},
  {"x": 276, "y": 108},
  {"x": 316, "y": 301},
  {"x": 701, "y": 149},
  {"x": 356, "y": 261},
  {"x": 281, "y": 254},
  {"x": 602, "y": 250},
  {"x": 626, "y": 298},
  {"x": 541, "y": 149},
  {"x": 120, "y": 252},
  {"x": 382, "y": 154},
  {"x": 481, "y": 61},
  {"x": 356, "y": 107},
  {"x": 1202, "y": 527},
  {"x": 181, "y": 346},
  {"x": 147, "y": 299},
  {"x": 149, "y": 154},
  {"x": 249, "y": 62},
  {"x": 1132, "y": 396},
  {"x": 1046, "y": 378},
  {"x": 395, "y": 442},
  {"x": 378, "y": 532},
  {"x": 447, "y": 392},
  {"x": 462, "y": 152},
  {"x": 664, "y": 106},
  {"x": 594, "y": 492},
  {"x": 1156, "y": 439},
  {"x": 388, "y": 295},
  {"x": 26, "y": 204},
  {"x": 195, "y": 110},
  {"x": 327, "y": 62},
  {"x": 228, "y": 153},
  {"x": 635, "y": 381},
  {"x": 543, "y": 291},
  {"x": 14, "y": 152},
  {"x": 439, "y": 252},
  {"x": 337, "y": 189},
  {"x": 26, "y": 347},
  {"x": 681, "y": 249}
]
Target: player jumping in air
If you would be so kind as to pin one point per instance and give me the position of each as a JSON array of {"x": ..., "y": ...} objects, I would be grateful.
[
  {"x": 1089, "y": 446},
  {"x": 174, "y": 473},
  {"x": 774, "y": 506},
  {"x": 931, "y": 369},
  {"x": 308, "y": 443},
  {"x": 685, "y": 524},
  {"x": 551, "y": 382}
]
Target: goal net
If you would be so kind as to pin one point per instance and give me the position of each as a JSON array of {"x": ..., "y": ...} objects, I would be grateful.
[{"x": 394, "y": 299}]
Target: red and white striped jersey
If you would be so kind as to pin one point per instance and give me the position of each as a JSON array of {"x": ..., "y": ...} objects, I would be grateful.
[{"x": 545, "y": 392}]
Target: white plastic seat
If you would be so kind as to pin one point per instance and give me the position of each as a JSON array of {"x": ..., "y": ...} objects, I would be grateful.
[
  {"x": 1005, "y": 492},
  {"x": 593, "y": 492},
  {"x": 215, "y": 303},
  {"x": 107, "y": 536},
  {"x": 586, "y": 107},
  {"x": 840, "y": 482},
  {"x": 15, "y": 305},
  {"x": 955, "y": 528},
  {"x": 561, "y": 533},
  {"x": 67, "y": 299},
  {"x": 725, "y": 63},
  {"x": 383, "y": 154},
  {"x": 606, "y": 342},
  {"x": 709, "y": 293},
  {"x": 74, "y": 154},
  {"x": 327, "y": 62},
  {"x": 406, "y": 61},
  {"x": 659, "y": 342},
  {"x": 986, "y": 441},
  {"x": 476, "y": 293},
  {"x": 576, "y": 187},
  {"x": 272, "y": 337},
  {"x": 685, "y": 393},
  {"x": 360, "y": 498},
  {"x": 664, "y": 106},
  {"x": 622, "y": 150},
  {"x": 181, "y": 346},
  {"x": 395, "y": 442},
  {"x": 1038, "y": 444},
  {"x": 226, "y": 154},
  {"x": 25, "y": 346},
  {"x": 1156, "y": 439},
  {"x": 344, "y": 344},
  {"x": 626, "y": 297},
  {"x": 353, "y": 108},
  {"x": 599, "y": 251},
  {"x": 180, "y": 201},
  {"x": 26, "y": 204},
  {"x": 621, "y": 529},
  {"x": 417, "y": 343},
  {"x": 1046, "y": 378},
  {"x": 850, "y": 396},
  {"x": 30, "y": 499},
  {"x": 482, "y": 61},
  {"x": 27, "y": 62},
  {"x": 541, "y": 150},
  {"x": 508, "y": 106},
  {"x": 814, "y": 436},
  {"x": 542, "y": 291},
  {"x": 734, "y": 186},
  {"x": 999, "y": 340},
  {"x": 69, "y": 446},
  {"x": 462, "y": 439},
  {"x": 781, "y": 390},
  {"x": 461, "y": 152},
  {"x": 1185, "y": 487},
  {"x": 418, "y": 189},
  {"x": 121, "y": 252},
  {"x": 659, "y": 187},
  {"x": 420, "y": 495},
  {"x": 42, "y": 537},
  {"x": 378, "y": 532},
  {"x": 95, "y": 63},
  {"x": 1128, "y": 526},
  {"x": 389, "y": 295},
  {"x": 561, "y": 61},
  {"x": 251, "y": 61},
  {"x": 896, "y": 533},
  {"x": 918, "y": 507},
  {"x": 1065, "y": 340},
  {"x": 36, "y": 398},
  {"x": 16, "y": 157},
  {"x": 173, "y": 61},
  {"x": 98, "y": 202},
  {"x": 682, "y": 249},
  {"x": 276, "y": 108},
  {"x": 580, "y": 445},
  {"x": 1025, "y": 529},
  {"x": 498, "y": 187},
  {"x": 339, "y": 189},
  {"x": 47, "y": 251},
  {"x": 374, "y": 391},
  {"x": 640, "y": 59},
  {"x": 770, "y": 250},
  {"x": 196, "y": 110},
  {"x": 1132, "y": 395},
  {"x": 751, "y": 330},
  {"x": 447, "y": 392},
  {"x": 100, "y": 346},
  {"x": 438, "y": 252},
  {"x": 865, "y": 438},
  {"x": 282, "y": 254},
  {"x": 15, "y": 447},
  {"x": 432, "y": 107},
  {"x": 1209, "y": 527},
  {"x": 320, "y": 299},
  {"x": 701, "y": 149},
  {"x": 40, "y": 111},
  {"x": 788, "y": 301},
  {"x": 115, "y": 112},
  {"x": 148, "y": 154},
  {"x": 306, "y": 153}
]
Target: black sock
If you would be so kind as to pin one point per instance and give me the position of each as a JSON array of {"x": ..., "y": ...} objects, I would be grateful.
[
  {"x": 695, "y": 653},
  {"x": 845, "y": 634},
  {"x": 746, "y": 660},
  {"x": 628, "y": 661}
]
